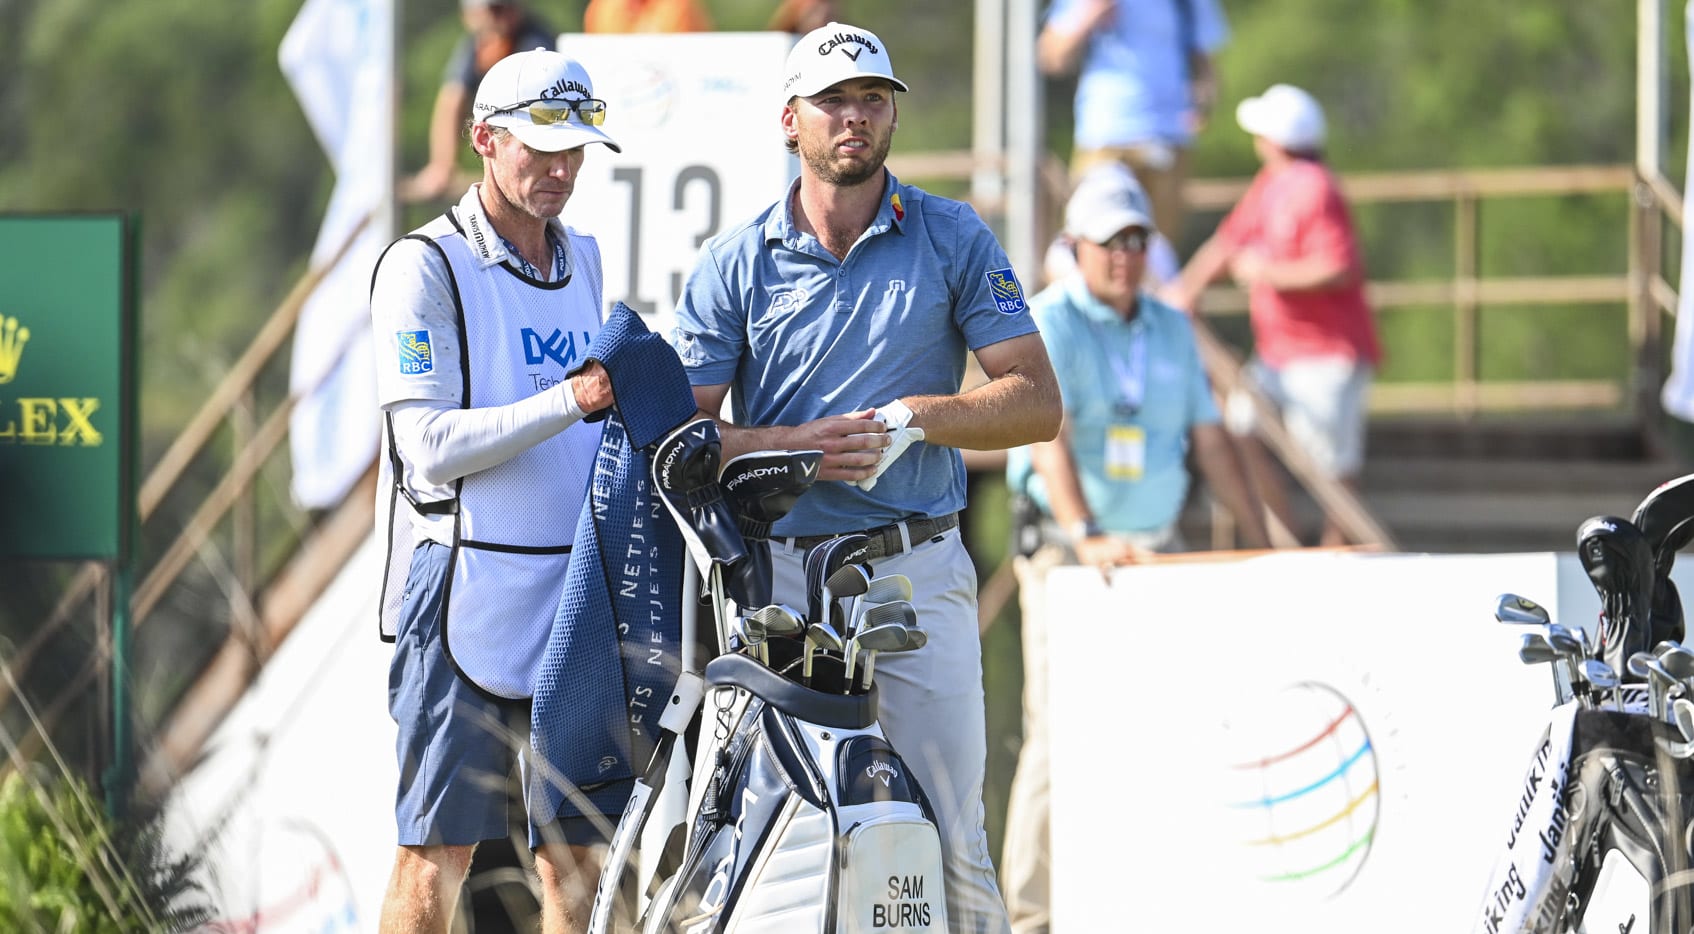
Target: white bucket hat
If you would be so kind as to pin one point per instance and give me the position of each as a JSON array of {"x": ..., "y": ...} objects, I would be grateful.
[
  {"x": 835, "y": 53},
  {"x": 1285, "y": 115},
  {"x": 538, "y": 96}
]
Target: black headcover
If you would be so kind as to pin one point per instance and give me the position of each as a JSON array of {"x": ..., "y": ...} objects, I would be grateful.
[
  {"x": 1666, "y": 518},
  {"x": 1619, "y": 562},
  {"x": 761, "y": 487},
  {"x": 825, "y": 558},
  {"x": 685, "y": 473}
]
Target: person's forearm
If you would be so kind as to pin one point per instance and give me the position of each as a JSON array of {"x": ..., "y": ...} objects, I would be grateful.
[
  {"x": 444, "y": 442},
  {"x": 1052, "y": 461},
  {"x": 1207, "y": 266},
  {"x": 851, "y": 442},
  {"x": 1017, "y": 408},
  {"x": 1226, "y": 477},
  {"x": 736, "y": 440},
  {"x": 1307, "y": 275},
  {"x": 444, "y": 128},
  {"x": 1059, "y": 49}
]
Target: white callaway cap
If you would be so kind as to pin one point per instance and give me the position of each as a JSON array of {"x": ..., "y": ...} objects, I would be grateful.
[
  {"x": 1107, "y": 199},
  {"x": 538, "y": 75},
  {"x": 834, "y": 53},
  {"x": 1285, "y": 115}
]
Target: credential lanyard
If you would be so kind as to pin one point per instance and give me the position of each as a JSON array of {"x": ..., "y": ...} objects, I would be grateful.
[{"x": 1131, "y": 370}]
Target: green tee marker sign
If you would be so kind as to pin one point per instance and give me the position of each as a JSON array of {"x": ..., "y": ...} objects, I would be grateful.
[{"x": 67, "y": 379}]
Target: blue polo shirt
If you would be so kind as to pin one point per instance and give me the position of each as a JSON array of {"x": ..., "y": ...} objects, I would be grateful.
[
  {"x": 799, "y": 335},
  {"x": 1101, "y": 372},
  {"x": 1133, "y": 83}
]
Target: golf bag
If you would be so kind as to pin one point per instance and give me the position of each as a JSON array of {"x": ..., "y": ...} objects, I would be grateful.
[
  {"x": 1599, "y": 840},
  {"x": 1601, "y": 836},
  {"x": 800, "y": 816},
  {"x": 806, "y": 820}
]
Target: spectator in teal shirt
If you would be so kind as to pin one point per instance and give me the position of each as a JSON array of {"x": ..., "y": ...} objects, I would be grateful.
[{"x": 1111, "y": 486}]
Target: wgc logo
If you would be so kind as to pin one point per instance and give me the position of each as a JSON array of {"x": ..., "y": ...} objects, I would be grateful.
[{"x": 1304, "y": 799}]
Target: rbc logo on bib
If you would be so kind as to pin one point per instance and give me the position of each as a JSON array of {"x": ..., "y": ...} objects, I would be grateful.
[
  {"x": 1008, "y": 294},
  {"x": 416, "y": 355}
]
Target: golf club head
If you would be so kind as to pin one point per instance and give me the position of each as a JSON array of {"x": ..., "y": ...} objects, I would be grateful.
[
  {"x": 1519, "y": 611},
  {"x": 1534, "y": 649},
  {"x": 1666, "y": 518},
  {"x": 1682, "y": 714},
  {"x": 888, "y": 589},
  {"x": 1660, "y": 681},
  {"x": 886, "y": 637},
  {"x": 780, "y": 621},
  {"x": 830, "y": 555},
  {"x": 850, "y": 580},
  {"x": 819, "y": 635},
  {"x": 1677, "y": 660},
  {"x": 1619, "y": 563},
  {"x": 1641, "y": 663},
  {"x": 899, "y": 611},
  {"x": 1599, "y": 675},
  {"x": 1565, "y": 641},
  {"x": 750, "y": 629}
]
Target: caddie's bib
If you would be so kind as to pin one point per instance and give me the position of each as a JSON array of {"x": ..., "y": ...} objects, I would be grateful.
[{"x": 515, "y": 520}]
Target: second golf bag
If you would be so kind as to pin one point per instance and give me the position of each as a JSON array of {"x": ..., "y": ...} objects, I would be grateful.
[
  {"x": 800, "y": 816},
  {"x": 1600, "y": 839}
]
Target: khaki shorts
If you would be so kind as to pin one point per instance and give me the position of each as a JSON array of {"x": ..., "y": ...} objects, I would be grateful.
[{"x": 1322, "y": 400}]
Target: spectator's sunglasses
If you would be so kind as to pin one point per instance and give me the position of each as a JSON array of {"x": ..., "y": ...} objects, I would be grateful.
[
  {"x": 1133, "y": 240},
  {"x": 546, "y": 111}
]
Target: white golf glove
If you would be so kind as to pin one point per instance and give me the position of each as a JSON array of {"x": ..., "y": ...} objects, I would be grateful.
[{"x": 898, "y": 419}]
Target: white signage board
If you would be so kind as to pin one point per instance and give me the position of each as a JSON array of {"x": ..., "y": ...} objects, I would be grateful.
[
  {"x": 698, "y": 117},
  {"x": 292, "y": 802},
  {"x": 1306, "y": 743}
]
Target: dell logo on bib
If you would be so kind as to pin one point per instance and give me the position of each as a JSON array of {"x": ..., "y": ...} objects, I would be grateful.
[{"x": 560, "y": 347}]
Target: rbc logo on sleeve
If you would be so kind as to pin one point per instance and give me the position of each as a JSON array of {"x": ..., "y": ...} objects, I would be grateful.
[
  {"x": 416, "y": 355},
  {"x": 1008, "y": 294}
]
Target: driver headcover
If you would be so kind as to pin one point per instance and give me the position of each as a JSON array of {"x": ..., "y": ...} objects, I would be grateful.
[{"x": 762, "y": 486}]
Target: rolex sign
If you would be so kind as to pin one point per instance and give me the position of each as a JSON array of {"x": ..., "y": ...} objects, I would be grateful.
[{"x": 66, "y": 381}]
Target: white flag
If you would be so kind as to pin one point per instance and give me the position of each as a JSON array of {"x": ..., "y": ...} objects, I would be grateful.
[
  {"x": 1678, "y": 394},
  {"x": 338, "y": 57}
]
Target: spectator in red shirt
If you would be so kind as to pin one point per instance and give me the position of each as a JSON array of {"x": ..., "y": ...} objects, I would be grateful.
[{"x": 1290, "y": 243}]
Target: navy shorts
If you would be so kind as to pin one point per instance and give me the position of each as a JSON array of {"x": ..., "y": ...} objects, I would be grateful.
[{"x": 456, "y": 745}]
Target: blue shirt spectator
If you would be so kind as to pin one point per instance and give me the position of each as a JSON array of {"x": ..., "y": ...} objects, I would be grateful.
[{"x": 1145, "y": 86}]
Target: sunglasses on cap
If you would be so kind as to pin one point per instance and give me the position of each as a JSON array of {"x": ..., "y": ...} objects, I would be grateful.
[
  {"x": 1133, "y": 240},
  {"x": 546, "y": 111}
]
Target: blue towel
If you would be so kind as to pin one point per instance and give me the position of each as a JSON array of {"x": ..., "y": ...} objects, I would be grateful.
[{"x": 614, "y": 653}]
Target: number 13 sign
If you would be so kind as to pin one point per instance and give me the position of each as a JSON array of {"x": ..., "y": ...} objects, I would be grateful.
[{"x": 697, "y": 115}]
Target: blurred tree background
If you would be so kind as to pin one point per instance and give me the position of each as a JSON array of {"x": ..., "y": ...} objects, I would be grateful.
[{"x": 177, "y": 112}]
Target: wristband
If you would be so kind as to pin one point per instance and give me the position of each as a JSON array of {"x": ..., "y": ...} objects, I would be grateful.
[{"x": 1085, "y": 528}]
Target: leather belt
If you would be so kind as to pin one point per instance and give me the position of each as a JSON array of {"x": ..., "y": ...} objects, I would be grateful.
[{"x": 885, "y": 540}]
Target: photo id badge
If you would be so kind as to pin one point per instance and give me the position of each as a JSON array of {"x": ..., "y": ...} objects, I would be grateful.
[{"x": 1126, "y": 452}]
